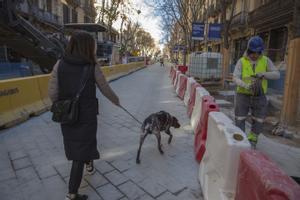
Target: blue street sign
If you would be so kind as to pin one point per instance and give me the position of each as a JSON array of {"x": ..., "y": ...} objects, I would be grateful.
[
  {"x": 198, "y": 31},
  {"x": 214, "y": 31}
]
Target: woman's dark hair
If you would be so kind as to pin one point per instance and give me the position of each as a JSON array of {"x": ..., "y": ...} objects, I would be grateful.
[{"x": 82, "y": 44}]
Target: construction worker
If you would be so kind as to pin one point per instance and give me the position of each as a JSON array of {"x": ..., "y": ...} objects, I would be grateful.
[{"x": 251, "y": 74}]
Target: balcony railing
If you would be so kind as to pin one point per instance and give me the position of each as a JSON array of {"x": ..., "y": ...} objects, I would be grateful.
[
  {"x": 239, "y": 20},
  {"x": 272, "y": 14}
]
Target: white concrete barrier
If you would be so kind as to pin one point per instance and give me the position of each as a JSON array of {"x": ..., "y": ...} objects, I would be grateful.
[
  {"x": 176, "y": 78},
  {"x": 219, "y": 167},
  {"x": 178, "y": 83},
  {"x": 187, "y": 94},
  {"x": 200, "y": 93}
]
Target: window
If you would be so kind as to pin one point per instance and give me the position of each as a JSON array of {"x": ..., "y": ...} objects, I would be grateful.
[
  {"x": 49, "y": 6},
  {"x": 74, "y": 16},
  {"x": 66, "y": 14},
  {"x": 277, "y": 44},
  {"x": 87, "y": 19}
]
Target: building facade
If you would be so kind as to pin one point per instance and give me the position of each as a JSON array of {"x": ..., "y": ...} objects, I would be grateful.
[
  {"x": 43, "y": 19},
  {"x": 59, "y": 12},
  {"x": 277, "y": 22},
  {"x": 270, "y": 19}
]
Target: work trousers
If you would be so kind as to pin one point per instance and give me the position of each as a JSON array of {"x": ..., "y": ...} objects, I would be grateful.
[{"x": 258, "y": 107}]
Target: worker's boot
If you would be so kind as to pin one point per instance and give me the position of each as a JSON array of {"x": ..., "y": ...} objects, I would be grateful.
[{"x": 252, "y": 137}]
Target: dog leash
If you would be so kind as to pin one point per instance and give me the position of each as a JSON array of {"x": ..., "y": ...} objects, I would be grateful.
[{"x": 130, "y": 114}]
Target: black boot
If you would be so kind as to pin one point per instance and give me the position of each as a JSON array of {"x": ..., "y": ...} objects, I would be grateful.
[{"x": 76, "y": 197}]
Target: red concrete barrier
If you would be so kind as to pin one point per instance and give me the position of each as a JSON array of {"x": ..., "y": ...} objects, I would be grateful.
[
  {"x": 259, "y": 178},
  {"x": 182, "y": 86},
  {"x": 191, "y": 102},
  {"x": 182, "y": 68},
  {"x": 208, "y": 105}
]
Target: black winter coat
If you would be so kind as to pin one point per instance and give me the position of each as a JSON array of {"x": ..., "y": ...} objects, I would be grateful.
[{"x": 80, "y": 140}]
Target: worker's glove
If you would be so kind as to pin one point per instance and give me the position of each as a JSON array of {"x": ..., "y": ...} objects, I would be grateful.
[
  {"x": 252, "y": 87},
  {"x": 247, "y": 86},
  {"x": 256, "y": 87},
  {"x": 260, "y": 75}
]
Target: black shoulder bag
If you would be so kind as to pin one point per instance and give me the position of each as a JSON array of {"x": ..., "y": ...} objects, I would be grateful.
[{"x": 66, "y": 111}]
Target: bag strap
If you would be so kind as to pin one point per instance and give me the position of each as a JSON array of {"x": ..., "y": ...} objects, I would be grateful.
[{"x": 84, "y": 79}]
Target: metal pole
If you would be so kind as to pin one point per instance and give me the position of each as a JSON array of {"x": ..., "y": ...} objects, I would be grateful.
[{"x": 206, "y": 25}]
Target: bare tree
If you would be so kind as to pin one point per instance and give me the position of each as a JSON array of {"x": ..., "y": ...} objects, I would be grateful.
[
  {"x": 128, "y": 42},
  {"x": 109, "y": 13},
  {"x": 227, "y": 22},
  {"x": 181, "y": 14}
]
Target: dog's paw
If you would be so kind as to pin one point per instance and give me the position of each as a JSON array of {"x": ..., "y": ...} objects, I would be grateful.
[
  {"x": 169, "y": 141},
  {"x": 161, "y": 152},
  {"x": 138, "y": 161}
]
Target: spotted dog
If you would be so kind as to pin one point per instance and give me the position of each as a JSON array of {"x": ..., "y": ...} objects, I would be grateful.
[{"x": 154, "y": 124}]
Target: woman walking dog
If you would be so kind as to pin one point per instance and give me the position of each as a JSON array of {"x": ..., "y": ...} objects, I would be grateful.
[{"x": 76, "y": 75}]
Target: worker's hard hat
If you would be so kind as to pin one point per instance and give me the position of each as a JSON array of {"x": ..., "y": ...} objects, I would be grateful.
[{"x": 256, "y": 44}]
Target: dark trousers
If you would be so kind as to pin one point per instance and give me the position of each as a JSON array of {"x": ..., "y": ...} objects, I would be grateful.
[
  {"x": 76, "y": 176},
  {"x": 258, "y": 107}
]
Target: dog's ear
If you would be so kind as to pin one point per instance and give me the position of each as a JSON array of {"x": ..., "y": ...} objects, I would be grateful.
[{"x": 175, "y": 122}]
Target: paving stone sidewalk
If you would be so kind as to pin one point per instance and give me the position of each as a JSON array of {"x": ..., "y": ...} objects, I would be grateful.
[{"x": 33, "y": 165}]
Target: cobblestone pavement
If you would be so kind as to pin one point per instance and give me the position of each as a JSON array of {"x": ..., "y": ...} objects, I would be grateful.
[{"x": 33, "y": 165}]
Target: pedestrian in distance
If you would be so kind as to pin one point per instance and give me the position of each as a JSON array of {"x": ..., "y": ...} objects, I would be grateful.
[
  {"x": 251, "y": 74},
  {"x": 79, "y": 138},
  {"x": 162, "y": 62}
]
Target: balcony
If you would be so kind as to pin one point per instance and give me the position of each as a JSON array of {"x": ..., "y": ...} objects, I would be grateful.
[
  {"x": 239, "y": 20},
  {"x": 43, "y": 15},
  {"x": 39, "y": 14},
  {"x": 274, "y": 14}
]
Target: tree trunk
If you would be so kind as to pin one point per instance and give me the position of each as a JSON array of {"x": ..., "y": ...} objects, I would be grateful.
[
  {"x": 290, "y": 112},
  {"x": 103, "y": 5},
  {"x": 185, "y": 48},
  {"x": 121, "y": 32},
  {"x": 225, "y": 63}
]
